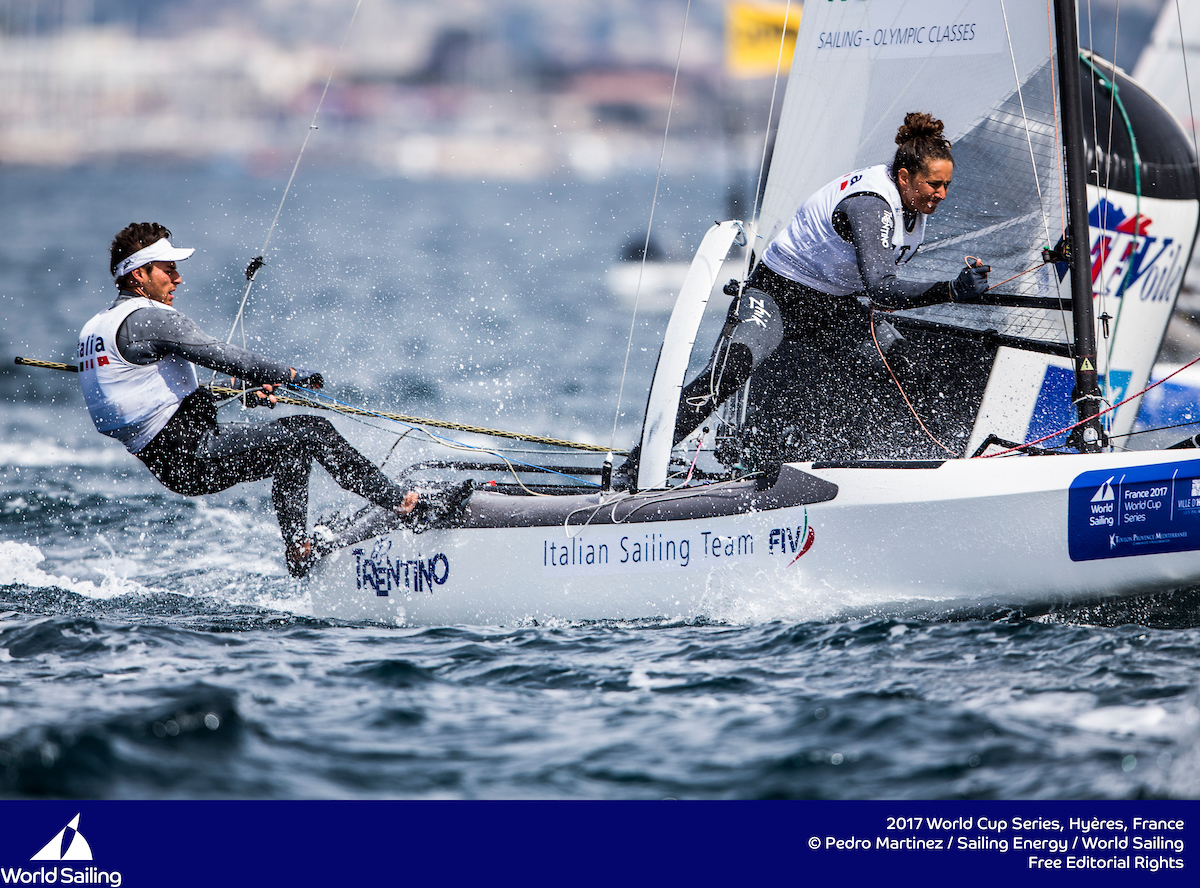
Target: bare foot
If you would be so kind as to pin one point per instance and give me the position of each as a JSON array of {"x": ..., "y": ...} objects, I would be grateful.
[{"x": 299, "y": 558}]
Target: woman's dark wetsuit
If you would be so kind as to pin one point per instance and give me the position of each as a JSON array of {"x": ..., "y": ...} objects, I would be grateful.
[
  {"x": 773, "y": 309},
  {"x": 194, "y": 455}
]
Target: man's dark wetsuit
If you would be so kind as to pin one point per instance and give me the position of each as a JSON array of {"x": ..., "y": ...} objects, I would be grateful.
[{"x": 193, "y": 455}]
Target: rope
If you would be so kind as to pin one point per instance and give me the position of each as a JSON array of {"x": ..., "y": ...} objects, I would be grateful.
[
  {"x": 900, "y": 389},
  {"x": 1085, "y": 421},
  {"x": 350, "y": 410},
  {"x": 256, "y": 264},
  {"x": 649, "y": 226},
  {"x": 46, "y": 365}
]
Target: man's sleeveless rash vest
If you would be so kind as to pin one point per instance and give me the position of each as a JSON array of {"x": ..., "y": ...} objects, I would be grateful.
[
  {"x": 129, "y": 402},
  {"x": 811, "y": 252}
]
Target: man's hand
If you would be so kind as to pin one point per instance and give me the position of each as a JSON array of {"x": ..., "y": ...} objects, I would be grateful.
[
  {"x": 971, "y": 283},
  {"x": 256, "y": 397},
  {"x": 262, "y": 397},
  {"x": 307, "y": 378}
]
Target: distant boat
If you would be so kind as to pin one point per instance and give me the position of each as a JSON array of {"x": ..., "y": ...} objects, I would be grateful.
[
  {"x": 871, "y": 523},
  {"x": 652, "y": 285}
]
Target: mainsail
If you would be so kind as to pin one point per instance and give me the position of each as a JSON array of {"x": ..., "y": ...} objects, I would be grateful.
[
  {"x": 988, "y": 70},
  {"x": 982, "y": 66}
]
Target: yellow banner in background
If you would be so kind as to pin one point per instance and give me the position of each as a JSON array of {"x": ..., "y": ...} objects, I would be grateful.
[{"x": 752, "y": 36}]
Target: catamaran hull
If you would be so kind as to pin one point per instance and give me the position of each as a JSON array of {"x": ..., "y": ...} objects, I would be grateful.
[{"x": 824, "y": 541}]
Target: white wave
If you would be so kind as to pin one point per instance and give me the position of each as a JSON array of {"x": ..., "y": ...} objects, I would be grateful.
[
  {"x": 47, "y": 453},
  {"x": 1148, "y": 720},
  {"x": 19, "y": 566}
]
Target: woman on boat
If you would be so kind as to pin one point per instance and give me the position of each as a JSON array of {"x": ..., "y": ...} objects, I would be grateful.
[
  {"x": 820, "y": 278},
  {"x": 136, "y": 369}
]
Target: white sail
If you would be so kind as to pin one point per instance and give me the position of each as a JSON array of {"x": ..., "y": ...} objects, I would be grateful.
[
  {"x": 1163, "y": 65},
  {"x": 859, "y": 67},
  {"x": 987, "y": 68}
]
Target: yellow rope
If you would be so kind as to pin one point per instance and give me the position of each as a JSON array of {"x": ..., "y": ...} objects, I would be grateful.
[
  {"x": 356, "y": 411},
  {"x": 418, "y": 420},
  {"x": 47, "y": 365}
]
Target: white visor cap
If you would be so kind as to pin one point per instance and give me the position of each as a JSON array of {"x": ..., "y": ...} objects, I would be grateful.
[{"x": 159, "y": 251}]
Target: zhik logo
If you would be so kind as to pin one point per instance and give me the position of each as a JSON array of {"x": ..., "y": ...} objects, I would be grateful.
[{"x": 69, "y": 844}]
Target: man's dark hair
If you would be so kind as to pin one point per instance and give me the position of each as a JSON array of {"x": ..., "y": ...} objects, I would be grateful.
[{"x": 133, "y": 237}]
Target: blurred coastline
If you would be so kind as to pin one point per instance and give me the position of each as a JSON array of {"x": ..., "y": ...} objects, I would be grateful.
[
  {"x": 508, "y": 89},
  {"x": 455, "y": 89}
]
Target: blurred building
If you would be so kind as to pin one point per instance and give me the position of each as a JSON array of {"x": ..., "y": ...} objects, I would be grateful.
[
  {"x": 512, "y": 87},
  {"x": 496, "y": 88}
]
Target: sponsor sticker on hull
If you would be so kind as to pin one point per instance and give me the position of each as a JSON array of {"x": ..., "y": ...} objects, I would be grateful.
[
  {"x": 643, "y": 551},
  {"x": 1144, "y": 510}
]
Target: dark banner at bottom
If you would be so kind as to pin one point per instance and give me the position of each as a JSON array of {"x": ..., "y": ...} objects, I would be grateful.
[{"x": 131, "y": 843}]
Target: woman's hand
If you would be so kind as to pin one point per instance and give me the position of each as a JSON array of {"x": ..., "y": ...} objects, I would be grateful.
[{"x": 971, "y": 283}]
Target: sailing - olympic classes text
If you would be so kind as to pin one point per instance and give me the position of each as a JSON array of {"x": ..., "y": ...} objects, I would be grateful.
[
  {"x": 919, "y": 34},
  {"x": 1045, "y": 843}
]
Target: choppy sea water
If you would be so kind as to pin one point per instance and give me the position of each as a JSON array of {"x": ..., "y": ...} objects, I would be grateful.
[{"x": 153, "y": 646}]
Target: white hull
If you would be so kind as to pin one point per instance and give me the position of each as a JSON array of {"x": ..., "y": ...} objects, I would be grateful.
[{"x": 960, "y": 534}]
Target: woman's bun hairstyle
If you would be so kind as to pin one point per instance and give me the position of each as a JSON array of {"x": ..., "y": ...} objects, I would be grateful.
[{"x": 920, "y": 139}]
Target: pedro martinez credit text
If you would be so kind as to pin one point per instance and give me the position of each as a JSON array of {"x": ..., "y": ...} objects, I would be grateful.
[{"x": 1076, "y": 844}]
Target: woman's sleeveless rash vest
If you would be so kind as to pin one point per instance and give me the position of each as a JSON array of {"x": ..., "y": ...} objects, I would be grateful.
[{"x": 812, "y": 253}]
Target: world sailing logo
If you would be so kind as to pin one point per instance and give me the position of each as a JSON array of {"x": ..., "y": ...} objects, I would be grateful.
[
  {"x": 1105, "y": 493},
  {"x": 69, "y": 844}
]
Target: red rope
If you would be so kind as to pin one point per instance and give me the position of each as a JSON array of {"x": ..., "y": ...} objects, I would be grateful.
[
  {"x": 900, "y": 389},
  {"x": 1085, "y": 421}
]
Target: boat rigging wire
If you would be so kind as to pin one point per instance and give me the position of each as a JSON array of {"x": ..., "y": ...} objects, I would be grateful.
[
  {"x": 257, "y": 263},
  {"x": 649, "y": 227},
  {"x": 1037, "y": 183},
  {"x": 1032, "y": 156},
  {"x": 717, "y": 373},
  {"x": 1186, "y": 81},
  {"x": 762, "y": 163},
  {"x": 310, "y": 398},
  {"x": 415, "y": 423},
  {"x": 1081, "y": 422}
]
